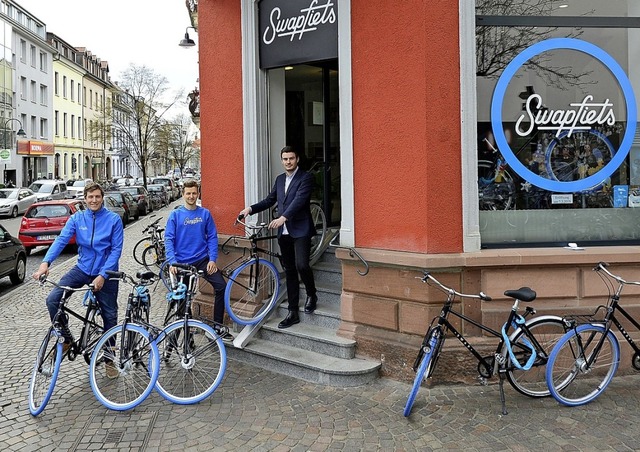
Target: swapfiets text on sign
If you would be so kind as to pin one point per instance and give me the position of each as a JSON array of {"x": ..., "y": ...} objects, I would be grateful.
[
  {"x": 586, "y": 115},
  {"x": 310, "y": 18}
]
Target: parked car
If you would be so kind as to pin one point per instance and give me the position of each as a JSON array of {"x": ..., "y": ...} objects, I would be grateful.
[
  {"x": 159, "y": 195},
  {"x": 43, "y": 222},
  {"x": 114, "y": 206},
  {"x": 14, "y": 201},
  {"x": 13, "y": 257},
  {"x": 125, "y": 181},
  {"x": 127, "y": 202},
  {"x": 141, "y": 196},
  {"x": 47, "y": 190},
  {"x": 172, "y": 187},
  {"x": 76, "y": 190}
]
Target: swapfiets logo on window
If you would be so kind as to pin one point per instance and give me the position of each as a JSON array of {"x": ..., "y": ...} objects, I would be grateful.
[
  {"x": 582, "y": 117},
  {"x": 557, "y": 164},
  {"x": 310, "y": 18}
]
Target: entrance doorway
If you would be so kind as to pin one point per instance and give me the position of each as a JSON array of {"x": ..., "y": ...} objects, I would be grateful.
[{"x": 312, "y": 126}]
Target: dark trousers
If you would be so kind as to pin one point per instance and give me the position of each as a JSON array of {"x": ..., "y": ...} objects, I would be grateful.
[
  {"x": 217, "y": 281},
  {"x": 107, "y": 296},
  {"x": 295, "y": 259}
]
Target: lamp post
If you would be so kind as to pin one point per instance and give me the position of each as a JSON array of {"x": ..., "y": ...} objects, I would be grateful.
[
  {"x": 187, "y": 41},
  {"x": 5, "y": 150}
]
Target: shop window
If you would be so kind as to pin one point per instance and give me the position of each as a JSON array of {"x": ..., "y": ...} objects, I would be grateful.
[{"x": 563, "y": 163}]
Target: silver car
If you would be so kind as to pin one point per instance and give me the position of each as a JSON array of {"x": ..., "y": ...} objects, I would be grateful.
[{"x": 14, "y": 201}]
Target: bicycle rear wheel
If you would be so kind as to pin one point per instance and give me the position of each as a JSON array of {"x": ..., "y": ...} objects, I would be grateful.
[
  {"x": 547, "y": 330},
  {"x": 430, "y": 349},
  {"x": 91, "y": 331},
  {"x": 572, "y": 381},
  {"x": 136, "y": 360},
  {"x": 190, "y": 376},
  {"x": 320, "y": 223},
  {"x": 45, "y": 372},
  {"x": 252, "y": 291}
]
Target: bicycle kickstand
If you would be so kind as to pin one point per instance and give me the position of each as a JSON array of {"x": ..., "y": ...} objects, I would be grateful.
[{"x": 502, "y": 397}]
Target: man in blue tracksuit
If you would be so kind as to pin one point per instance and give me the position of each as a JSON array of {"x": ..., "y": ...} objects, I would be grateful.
[
  {"x": 99, "y": 236},
  {"x": 191, "y": 237}
]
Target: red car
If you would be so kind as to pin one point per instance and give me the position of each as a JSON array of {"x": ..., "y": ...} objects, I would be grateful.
[{"x": 43, "y": 222}]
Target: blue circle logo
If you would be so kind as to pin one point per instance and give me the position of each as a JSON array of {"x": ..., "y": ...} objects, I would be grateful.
[{"x": 498, "y": 100}]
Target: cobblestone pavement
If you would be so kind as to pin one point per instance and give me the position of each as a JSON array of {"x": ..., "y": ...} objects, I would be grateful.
[{"x": 254, "y": 409}]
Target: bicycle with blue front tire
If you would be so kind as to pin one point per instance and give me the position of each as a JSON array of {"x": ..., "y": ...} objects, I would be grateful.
[
  {"x": 253, "y": 282},
  {"x": 59, "y": 342},
  {"x": 520, "y": 355},
  {"x": 585, "y": 359},
  {"x": 127, "y": 350},
  {"x": 193, "y": 358}
]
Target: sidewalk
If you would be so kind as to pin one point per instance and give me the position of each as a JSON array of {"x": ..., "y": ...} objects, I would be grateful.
[{"x": 257, "y": 410}]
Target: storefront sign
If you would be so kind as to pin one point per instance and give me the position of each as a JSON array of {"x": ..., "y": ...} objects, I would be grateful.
[
  {"x": 297, "y": 31},
  {"x": 27, "y": 147},
  {"x": 5, "y": 156},
  {"x": 582, "y": 116}
]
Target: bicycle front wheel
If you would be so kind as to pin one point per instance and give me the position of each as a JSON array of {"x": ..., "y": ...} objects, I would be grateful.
[
  {"x": 191, "y": 371},
  {"x": 140, "y": 248},
  {"x": 252, "y": 291},
  {"x": 572, "y": 380},
  {"x": 546, "y": 330},
  {"x": 45, "y": 372},
  {"x": 124, "y": 369},
  {"x": 429, "y": 351}
]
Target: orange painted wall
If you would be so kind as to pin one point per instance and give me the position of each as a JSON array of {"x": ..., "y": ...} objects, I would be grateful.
[
  {"x": 220, "y": 57},
  {"x": 406, "y": 125}
]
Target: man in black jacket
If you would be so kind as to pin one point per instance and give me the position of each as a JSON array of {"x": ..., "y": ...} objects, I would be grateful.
[{"x": 292, "y": 192}]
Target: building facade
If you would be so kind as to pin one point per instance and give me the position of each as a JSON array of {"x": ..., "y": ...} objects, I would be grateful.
[
  {"x": 67, "y": 111},
  {"x": 469, "y": 140},
  {"x": 27, "y": 75}
]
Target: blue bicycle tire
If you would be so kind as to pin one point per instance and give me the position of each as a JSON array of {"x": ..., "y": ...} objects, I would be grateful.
[
  {"x": 36, "y": 406},
  {"x": 564, "y": 369},
  {"x": 141, "y": 372},
  {"x": 179, "y": 381},
  {"x": 236, "y": 308},
  {"x": 421, "y": 372}
]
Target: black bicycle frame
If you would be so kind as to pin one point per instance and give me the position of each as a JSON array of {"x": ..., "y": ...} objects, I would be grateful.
[
  {"x": 608, "y": 319},
  {"x": 57, "y": 325},
  {"x": 443, "y": 321}
]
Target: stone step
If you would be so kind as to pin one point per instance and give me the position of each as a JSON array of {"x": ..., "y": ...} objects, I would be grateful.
[
  {"x": 306, "y": 365},
  {"x": 311, "y": 337},
  {"x": 326, "y": 315}
]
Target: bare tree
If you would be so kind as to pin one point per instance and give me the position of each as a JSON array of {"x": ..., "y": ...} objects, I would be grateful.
[
  {"x": 174, "y": 138},
  {"x": 497, "y": 46},
  {"x": 137, "y": 115}
]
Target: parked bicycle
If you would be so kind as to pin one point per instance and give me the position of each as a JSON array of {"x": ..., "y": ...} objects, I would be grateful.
[
  {"x": 53, "y": 348},
  {"x": 585, "y": 359},
  {"x": 521, "y": 352},
  {"x": 149, "y": 251},
  {"x": 253, "y": 282},
  {"x": 193, "y": 358},
  {"x": 129, "y": 347}
]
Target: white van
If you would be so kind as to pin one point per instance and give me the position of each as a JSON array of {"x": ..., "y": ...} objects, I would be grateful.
[{"x": 47, "y": 190}]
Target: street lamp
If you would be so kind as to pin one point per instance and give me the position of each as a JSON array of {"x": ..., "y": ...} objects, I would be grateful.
[
  {"x": 5, "y": 151},
  {"x": 187, "y": 41}
]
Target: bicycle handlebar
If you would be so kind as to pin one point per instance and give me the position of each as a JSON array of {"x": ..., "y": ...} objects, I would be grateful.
[
  {"x": 428, "y": 277},
  {"x": 602, "y": 267},
  {"x": 44, "y": 279}
]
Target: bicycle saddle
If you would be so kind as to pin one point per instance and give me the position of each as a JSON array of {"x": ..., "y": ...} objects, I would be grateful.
[{"x": 522, "y": 294}]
